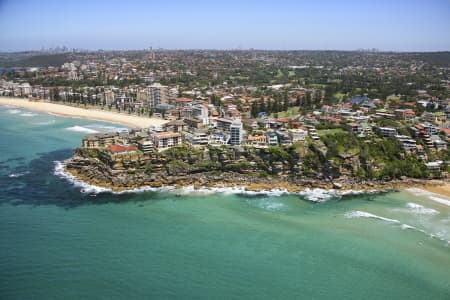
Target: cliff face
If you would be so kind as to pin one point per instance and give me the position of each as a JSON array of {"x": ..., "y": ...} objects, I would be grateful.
[
  {"x": 287, "y": 166},
  {"x": 213, "y": 165}
]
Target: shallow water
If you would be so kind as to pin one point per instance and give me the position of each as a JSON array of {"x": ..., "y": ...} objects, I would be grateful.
[{"x": 56, "y": 242}]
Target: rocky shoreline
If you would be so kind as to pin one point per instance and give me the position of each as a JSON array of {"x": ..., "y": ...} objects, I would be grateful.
[{"x": 97, "y": 174}]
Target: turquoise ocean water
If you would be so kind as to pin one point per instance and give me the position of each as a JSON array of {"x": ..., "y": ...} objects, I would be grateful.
[{"x": 59, "y": 243}]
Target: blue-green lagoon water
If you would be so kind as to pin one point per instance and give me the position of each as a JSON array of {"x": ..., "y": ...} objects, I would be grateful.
[{"x": 59, "y": 243}]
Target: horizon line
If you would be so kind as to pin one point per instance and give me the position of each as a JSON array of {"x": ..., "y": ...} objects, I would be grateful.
[{"x": 72, "y": 49}]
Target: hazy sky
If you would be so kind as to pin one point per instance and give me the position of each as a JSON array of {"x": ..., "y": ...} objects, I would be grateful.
[{"x": 400, "y": 25}]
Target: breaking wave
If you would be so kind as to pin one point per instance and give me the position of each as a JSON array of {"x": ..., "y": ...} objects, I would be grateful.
[
  {"x": 44, "y": 123},
  {"x": 85, "y": 187},
  {"x": 101, "y": 127},
  {"x": 13, "y": 111},
  {"x": 430, "y": 195},
  {"x": 403, "y": 226},
  {"x": 77, "y": 128},
  {"x": 28, "y": 114},
  {"x": 363, "y": 214},
  {"x": 420, "y": 209}
]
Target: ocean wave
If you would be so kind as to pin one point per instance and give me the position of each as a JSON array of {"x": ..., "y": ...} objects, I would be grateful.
[
  {"x": 77, "y": 128},
  {"x": 19, "y": 174},
  {"x": 323, "y": 195},
  {"x": 101, "y": 127},
  {"x": 432, "y": 196},
  {"x": 363, "y": 214},
  {"x": 420, "y": 209},
  {"x": 44, "y": 123},
  {"x": 85, "y": 187},
  {"x": 269, "y": 204},
  {"x": 28, "y": 114},
  {"x": 406, "y": 226},
  {"x": 14, "y": 111},
  {"x": 440, "y": 200},
  {"x": 319, "y": 195}
]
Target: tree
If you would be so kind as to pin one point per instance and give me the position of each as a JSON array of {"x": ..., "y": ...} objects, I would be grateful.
[
  {"x": 262, "y": 105},
  {"x": 254, "y": 110},
  {"x": 298, "y": 102}
]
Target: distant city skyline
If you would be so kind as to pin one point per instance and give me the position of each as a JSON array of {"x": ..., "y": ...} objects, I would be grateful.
[{"x": 271, "y": 25}]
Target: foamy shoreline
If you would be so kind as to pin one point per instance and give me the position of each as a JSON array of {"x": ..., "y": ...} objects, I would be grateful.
[
  {"x": 93, "y": 114},
  {"x": 311, "y": 194}
]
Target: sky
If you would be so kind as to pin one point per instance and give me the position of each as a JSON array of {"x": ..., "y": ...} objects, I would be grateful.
[{"x": 387, "y": 25}]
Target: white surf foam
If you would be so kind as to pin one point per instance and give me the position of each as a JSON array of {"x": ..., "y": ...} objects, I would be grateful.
[
  {"x": 77, "y": 128},
  {"x": 440, "y": 200},
  {"x": 28, "y": 114},
  {"x": 363, "y": 214},
  {"x": 432, "y": 196},
  {"x": 14, "y": 111},
  {"x": 101, "y": 127},
  {"x": 318, "y": 195},
  {"x": 19, "y": 174},
  {"x": 44, "y": 123},
  {"x": 85, "y": 187},
  {"x": 420, "y": 209}
]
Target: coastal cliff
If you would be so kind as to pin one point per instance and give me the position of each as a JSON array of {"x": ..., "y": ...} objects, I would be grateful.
[{"x": 293, "y": 168}]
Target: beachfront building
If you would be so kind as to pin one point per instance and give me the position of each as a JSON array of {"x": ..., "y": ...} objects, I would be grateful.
[
  {"x": 236, "y": 133},
  {"x": 165, "y": 140},
  {"x": 175, "y": 126},
  {"x": 153, "y": 95},
  {"x": 99, "y": 140},
  {"x": 146, "y": 146},
  {"x": 121, "y": 149},
  {"x": 196, "y": 138}
]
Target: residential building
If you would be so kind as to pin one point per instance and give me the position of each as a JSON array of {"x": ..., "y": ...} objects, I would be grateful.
[
  {"x": 297, "y": 135},
  {"x": 200, "y": 112},
  {"x": 146, "y": 146},
  {"x": 224, "y": 124},
  {"x": 154, "y": 95},
  {"x": 121, "y": 149},
  {"x": 236, "y": 132},
  {"x": 99, "y": 140},
  {"x": 257, "y": 140},
  {"x": 218, "y": 138},
  {"x": 356, "y": 128},
  {"x": 164, "y": 140},
  {"x": 272, "y": 138},
  {"x": 388, "y": 131},
  {"x": 408, "y": 144},
  {"x": 196, "y": 138},
  {"x": 283, "y": 137},
  {"x": 175, "y": 126}
]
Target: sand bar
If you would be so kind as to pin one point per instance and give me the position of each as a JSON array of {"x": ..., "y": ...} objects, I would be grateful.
[{"x": 95, "y": 114}]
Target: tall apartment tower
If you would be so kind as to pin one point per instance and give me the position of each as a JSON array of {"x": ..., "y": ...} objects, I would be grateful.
[
  {"x": 236, "y": 132},
  {"x": 158, "y": 94}
]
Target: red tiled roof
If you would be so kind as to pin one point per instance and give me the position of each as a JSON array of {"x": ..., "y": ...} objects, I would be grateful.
[{"x": 120, "y": 148}]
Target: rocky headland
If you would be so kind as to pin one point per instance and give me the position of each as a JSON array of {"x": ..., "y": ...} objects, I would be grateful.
[{"x": 256, "y": 169}]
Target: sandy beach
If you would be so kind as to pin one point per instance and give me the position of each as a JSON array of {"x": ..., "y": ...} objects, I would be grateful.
[
  {"x": 95, "y": 114},
  {"x": 439, "y": 189}
]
